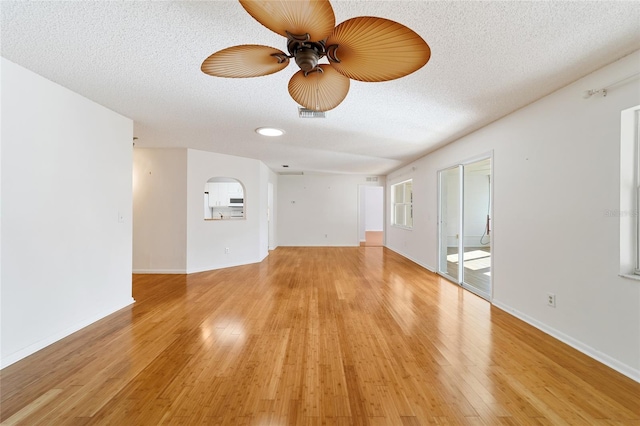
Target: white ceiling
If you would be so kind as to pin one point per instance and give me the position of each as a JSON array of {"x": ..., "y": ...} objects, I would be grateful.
[{"x": 142, "y": 59}]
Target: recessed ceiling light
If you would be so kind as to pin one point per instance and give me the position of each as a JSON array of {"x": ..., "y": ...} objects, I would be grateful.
[{"x": 269, "y": 131}]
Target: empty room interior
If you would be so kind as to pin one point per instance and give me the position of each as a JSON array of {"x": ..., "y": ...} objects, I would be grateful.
[{"x": 320, "y": 213}]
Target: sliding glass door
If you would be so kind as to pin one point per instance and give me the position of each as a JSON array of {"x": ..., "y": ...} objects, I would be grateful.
[
  {"x": 477, "y": 227},
  {"x": 465, "y": 225},
  {"x": 450, "y": 222}
]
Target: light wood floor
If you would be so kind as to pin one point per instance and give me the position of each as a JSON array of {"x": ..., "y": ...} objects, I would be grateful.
[
  {"x": 474, "y": 277},
  {"x": 310, "y": 336}
]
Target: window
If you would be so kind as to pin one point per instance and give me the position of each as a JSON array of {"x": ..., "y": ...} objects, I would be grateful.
[
  {"x": 402, "y": 204},
  {"x": 627, "y": 213},
  {"x": 634, "y": 212}
]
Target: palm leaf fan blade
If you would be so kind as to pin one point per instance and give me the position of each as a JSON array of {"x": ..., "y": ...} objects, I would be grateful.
[
  {"x": 319, "y": 91},
  {"x": 248, "y": 60},
  {"x": 376, "y": 49},
  {"x": 299, "y": 17}
]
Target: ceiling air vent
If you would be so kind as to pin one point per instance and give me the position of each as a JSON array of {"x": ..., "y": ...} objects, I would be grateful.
[
  {"x": 372, "y": 178},
  {"x": 309, "y": 113}
]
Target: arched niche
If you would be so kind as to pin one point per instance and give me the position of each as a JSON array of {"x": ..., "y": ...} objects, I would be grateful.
[{"x": 224, "y": 199}]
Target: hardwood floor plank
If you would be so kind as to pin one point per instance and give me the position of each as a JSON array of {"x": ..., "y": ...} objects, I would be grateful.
[
  {"x": 33, "y": 407},
  {"x": 317, "y": 336}
]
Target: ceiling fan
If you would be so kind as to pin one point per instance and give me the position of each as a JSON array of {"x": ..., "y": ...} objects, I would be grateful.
[{"x": 363, "y": 48}]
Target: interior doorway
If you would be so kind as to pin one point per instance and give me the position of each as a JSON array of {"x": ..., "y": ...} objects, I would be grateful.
[
  {"x": 371, "y": 221},
  {"x": 464, "y": 233}
]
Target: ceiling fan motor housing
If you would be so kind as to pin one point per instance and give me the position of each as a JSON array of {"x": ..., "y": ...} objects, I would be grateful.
[
  {"x": 307, "y": 53},
  {"x": 307, "y": 58}
]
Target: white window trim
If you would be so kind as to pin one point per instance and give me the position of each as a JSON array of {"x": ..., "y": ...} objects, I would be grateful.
[
  {"x": 394, "y": 203},
  {"x": 627, "y": 211},
  {"x": 637, "y": 189}
]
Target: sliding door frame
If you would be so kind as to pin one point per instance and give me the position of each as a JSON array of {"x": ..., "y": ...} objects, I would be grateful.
[
  {"x": 460, "y": 280},
  {"x": 441, "y": 256}
]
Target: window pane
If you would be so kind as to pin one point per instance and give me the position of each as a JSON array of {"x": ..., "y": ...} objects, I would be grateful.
[
  {"x": 402, "y": 209},
  {"x": 399, "y": 193},
  {"x": 408, "y": 192},
  {"x": 399, "y": 213}
]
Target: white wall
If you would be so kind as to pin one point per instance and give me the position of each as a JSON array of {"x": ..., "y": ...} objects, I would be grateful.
[
  {"x": 319, "y": 210},
  {"x": 66, "y": 212},
  {"x": 272, "y": 191},
  {"x": 246, "y": 239},
  {"x": 556, "y": 171},
  {"x": 160, "y": 210},
  {"x": 263, "y": 207},
  {"x": 271, "y": 206},
  {"x": 170, "y": 233}
]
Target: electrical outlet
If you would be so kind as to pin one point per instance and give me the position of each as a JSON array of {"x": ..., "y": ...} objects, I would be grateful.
[
  {"x": 551, "y": 300},
  {"x": 226, "y": 250}
]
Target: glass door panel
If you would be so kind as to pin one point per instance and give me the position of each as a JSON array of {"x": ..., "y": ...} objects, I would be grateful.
[
  {"x": 476, "y": 241},
  {"x": 450, "y": 223}
]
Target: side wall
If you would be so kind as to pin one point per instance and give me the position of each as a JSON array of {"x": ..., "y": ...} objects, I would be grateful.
[
  {"x": 319, "y": 210},
  {"x": 556, "y": 174},
  {"x": 208, "y": 241},
  {"x": 272, "y": 197},
  {"x": 266, "y": 176},
  {"x": 159, "y": 210},
  {"x": 66, "y": 212}
]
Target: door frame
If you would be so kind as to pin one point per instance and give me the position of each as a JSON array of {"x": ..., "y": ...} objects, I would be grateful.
[
  {"x": 460, "y": 281},
  {"x": 362, "y": 210}
]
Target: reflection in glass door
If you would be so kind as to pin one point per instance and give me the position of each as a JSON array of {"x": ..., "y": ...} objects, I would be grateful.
[
  {"x": 477, "y": 228},
  {"x": 450, "y": 223},
  {"x": 465, "y": 226}
]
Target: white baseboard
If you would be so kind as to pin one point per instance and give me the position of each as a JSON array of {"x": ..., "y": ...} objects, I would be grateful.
[
  {"x": 620, "y": 367},
  {"x": 196, "y": 270},
  {"x": 425, "y": 266},
  {"x": 218, "y": 266},
  {"x": 31, "y": 349},
  {"x": 159, "y": 271}
]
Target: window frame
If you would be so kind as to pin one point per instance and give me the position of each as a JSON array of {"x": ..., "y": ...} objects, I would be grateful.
[
  {"x": 406, "y": 205},
  {"x": 636, "y": 271},
  {"x": 626, "y": 213}
]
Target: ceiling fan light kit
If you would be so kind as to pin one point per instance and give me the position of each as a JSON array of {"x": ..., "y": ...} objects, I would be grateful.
[{"x": 364, "y": 48}]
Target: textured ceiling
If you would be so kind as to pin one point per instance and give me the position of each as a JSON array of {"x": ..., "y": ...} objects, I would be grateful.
[{"x": 142, "y": 59}]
